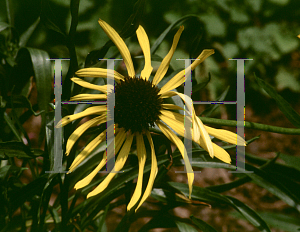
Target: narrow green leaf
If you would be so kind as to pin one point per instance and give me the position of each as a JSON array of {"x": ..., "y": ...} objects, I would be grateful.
[
  {"x": 42, "y": 72},
  {"x": 249, "y": 214},
  {"x": 260, "y": 177},
  {"x": 20, "y": 101},
  {"x": 3, "y": 26},
  {"x": 281, "y": 221},
  {"x": 15, "y": 149},
  {"x": 12, "y": 126},
  {"x": 202, "y": 225},
  {"x": 283, "y": 105},
  {"x": 162, "y": 219},
  {"x": 102, "y": 225},
  {"x": 49, "y": 129},
  {"x": 292, "y": 161},
  {"x": 27, "y": 34},
  {"x": 265, "y": 180},
  {"x": 184, "y": 227},
  {"x": 208, "y": 196},
  {"x": 162, "y": 36},
  {"x": 47, "y": 16},
  {"x": 3, "y": 171}
]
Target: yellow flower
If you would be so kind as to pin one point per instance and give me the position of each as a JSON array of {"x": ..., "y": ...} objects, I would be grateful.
[{"x": 139, "y": 104}]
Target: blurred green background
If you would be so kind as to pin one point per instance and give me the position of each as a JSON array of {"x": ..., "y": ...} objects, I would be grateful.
[{"x": 263, "y": 30}]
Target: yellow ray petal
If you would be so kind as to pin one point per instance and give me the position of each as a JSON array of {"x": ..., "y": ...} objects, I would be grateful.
[
  {"x": 191, "y": 111},
  {"x": 198, "y": 127},
  {"x": 174, "y": 120},
  {"x": 122, "y": 157},
  {"x": 82, "y": 97},
  {"x": 85, "y": 181},
  {"x": 87, "y": 150},
  {"x": 226, "y": 136},
  {"x": 163, "y": 68},
  {"x": 89, "y": 111},
  {"x": 81, "y": 129},
  {"x": 144, "y": 43},
  {"x": 172, "y": 137},
  {"x": 102, "y": 88},
  {"x": 118, "y": 41},
  {"x": 99, "y": 72},
  {"x": 221, "y": 154},
  {"x": 171, "y": 107},
  {"x": 141, "y": 153},
  {"x": 153, "y": 172},
  {"x": 179, "y": 78}
]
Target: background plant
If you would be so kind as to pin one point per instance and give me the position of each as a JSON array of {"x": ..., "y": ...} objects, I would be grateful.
[{"x": 33, "y": 31}]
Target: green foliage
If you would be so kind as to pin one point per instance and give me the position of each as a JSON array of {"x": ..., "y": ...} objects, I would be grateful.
[{"x": 32, "y": 199}]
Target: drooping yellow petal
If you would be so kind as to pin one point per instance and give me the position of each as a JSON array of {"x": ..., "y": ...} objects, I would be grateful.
[
  {"x": 226, "y": 136},
  {"x": 179, "y": 78},
  {"x": 99, "y": 72},
  {"x": 122, "y": 157},
  {"x": 198, "y": 127},
  {"x": 144, "y": 43},
  {"x": 81, "y": 129},
  {"x": 163, "y": 68},
  {"x": 82, "y": 97},
  {"x": 176, "y": 123},
  {"x": 85, "y": 181},
  {"x": 102, "y": 88},
  {"x": 172, "y": 137},
  {"x": 118, "y": 41},
  {"x": 221, "y": 154},
  {"x": 141, "y": 153},
  {"x": 191, "y": 111},
  {"x": 89, "y": 111},
  {"x": 87, "y": 150},
  {"x": 153, "y": 172},
  {"x": 171, "y": 107}
]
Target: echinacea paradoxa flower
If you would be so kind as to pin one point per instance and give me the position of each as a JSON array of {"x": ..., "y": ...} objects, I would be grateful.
[{"x": 139, "y": 105}]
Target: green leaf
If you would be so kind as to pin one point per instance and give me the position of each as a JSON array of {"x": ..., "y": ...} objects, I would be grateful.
[
  {"x": 202, "y": 225},
  {"x": 208, "y": 196},
  {"x": 20, "y": 101},
  {"x": 292, "y": 161},
  {"x": 249, "y": 214},
  {"x": 282, "y": 104},
  {"x": 162, "y": 219},
  {"x": 12, "y": 126},
  {"x": 27, "y": 34},
  {"x": 101, "y": 224},
  {"x": 3, "y": 26},
  {"x": 4, "y": 171},
  {"x": 184, "y": 227},
  {"x": 42, "y": 72},
  {"x": 15, "y": 149},
  {"x": 47, "y": 16},
  {"x": 265, "y": 180},
  {"x": 281, "y": 221},
  {"x": 162, "y": 36},
  {"x": 258, "y": 176}
]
